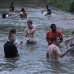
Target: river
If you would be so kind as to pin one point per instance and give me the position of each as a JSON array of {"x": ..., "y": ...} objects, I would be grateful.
[{"x": 32, "y": 58}]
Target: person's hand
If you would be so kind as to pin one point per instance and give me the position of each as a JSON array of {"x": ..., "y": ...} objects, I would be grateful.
[
  {"x": 69, "y": 48},
  {"x": 27, "y": 39}
]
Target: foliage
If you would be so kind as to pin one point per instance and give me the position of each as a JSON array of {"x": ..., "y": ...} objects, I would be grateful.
[{"x": 67, "y": 5}]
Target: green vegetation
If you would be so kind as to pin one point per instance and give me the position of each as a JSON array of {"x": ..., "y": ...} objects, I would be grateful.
[{"x": 67, "y": 5}]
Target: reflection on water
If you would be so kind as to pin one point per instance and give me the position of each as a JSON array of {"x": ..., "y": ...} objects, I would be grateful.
[{"x": 32, "y": 58}]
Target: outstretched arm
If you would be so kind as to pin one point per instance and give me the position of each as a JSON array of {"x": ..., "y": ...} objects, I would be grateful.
[{"x": 58, "y": 52}]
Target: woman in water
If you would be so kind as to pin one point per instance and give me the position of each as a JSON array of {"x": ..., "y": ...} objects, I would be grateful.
[
  {"x": 11, "y": 10},
  {"x": 23, "y": 13}
]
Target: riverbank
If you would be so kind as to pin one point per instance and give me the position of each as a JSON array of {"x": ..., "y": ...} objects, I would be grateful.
[{"x": 66, "y": 5}]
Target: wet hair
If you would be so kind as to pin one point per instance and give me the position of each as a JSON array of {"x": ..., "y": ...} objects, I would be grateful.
[
  {"x": 3, "y": 15},
  {"x": 52, "y": 25},
  {"x": 22, "y": 9},
  {"x": 47, "y": 6},
  {"x": 72, "y": 32},
  {"x": 54, "y": 38},
  {"x": 12, "y": 3},
  {"x": 29, "y": 21},
  {"x": 10, "y": 35},
  {"x": 12, "y": 31}
]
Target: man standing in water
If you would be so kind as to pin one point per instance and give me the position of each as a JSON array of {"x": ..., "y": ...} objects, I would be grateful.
[
  {"x": 10, "y": 49},
  {"x": 30, "y": 32},
  {"x": 53, "y": 52},
  {"x": 53, "y": 32}
]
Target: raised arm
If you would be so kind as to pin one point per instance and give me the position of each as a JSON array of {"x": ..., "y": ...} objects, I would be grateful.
[
  {"x": 66, "y": 42},
  {"x": 33, "y": 30}
]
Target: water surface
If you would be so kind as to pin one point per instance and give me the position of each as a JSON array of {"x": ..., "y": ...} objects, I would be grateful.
[{"x": 32, "y": 58}]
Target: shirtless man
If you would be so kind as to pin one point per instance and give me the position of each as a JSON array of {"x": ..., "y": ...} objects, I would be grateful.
[
  {"x": 53, "y": 52},
  {"x": 30, "y": 32}
]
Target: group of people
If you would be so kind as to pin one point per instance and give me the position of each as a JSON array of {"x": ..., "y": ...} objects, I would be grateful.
[
  {"x": 54, "y": 38},
  {"x": 10, "y": 47},
  {"x": 22, "y": 14}
]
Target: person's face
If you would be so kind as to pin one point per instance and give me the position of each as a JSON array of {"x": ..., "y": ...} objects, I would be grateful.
[
  {"x": 12, "y": 4},
  {"x": 57, "y": 40},
  {"x": 54, "y": 28},
  {"x": 13, "y": 37},
  {"x": 29, "y": 25}
]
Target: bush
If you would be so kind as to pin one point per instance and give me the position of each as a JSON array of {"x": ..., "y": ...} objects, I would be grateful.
[{"x": 67, "y": 5}]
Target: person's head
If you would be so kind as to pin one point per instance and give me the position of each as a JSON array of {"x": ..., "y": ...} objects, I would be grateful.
[
  {"x": 12, "y": 4},
  {"x": 47, "y": 6},
  {"x": 53, "y": 27},
  {"x": 13, "y": 31},
  {"x": 29, "y": 23},
  {"x": 11, "y": 37},
  {"x": 22, "y": 10},
  {"x": 55, "y": 40},
  {"x": 3, "y": 15}
]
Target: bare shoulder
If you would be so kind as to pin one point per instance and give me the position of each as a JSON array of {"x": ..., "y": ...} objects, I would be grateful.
[
  {"x": 55, "y": 48},
  {"x": 52, "y": 46}
]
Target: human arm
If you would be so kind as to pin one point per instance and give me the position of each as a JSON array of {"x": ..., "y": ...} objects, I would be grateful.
[
  {"x": 66, "y": 42},
  {"x": 19, "y": 44},
  {"x": 47, "y": 55},
  {"x": 15, "y": 51},
  {"x": 49, "y": 37},
  {"x": 62, "y": 54},
  {"x": 49, "y": 42},
  {"x": 26, "y": 34},
  {"x": 33, "y": 30},
  {"x": 60, "y": 36}
]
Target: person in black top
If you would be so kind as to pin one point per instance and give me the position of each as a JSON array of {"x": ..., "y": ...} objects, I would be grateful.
[
  {"x": 11, "y": 10},
  {"x": 10, "y": 49},
  {"x": 12, "y": 7}
]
